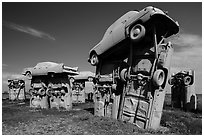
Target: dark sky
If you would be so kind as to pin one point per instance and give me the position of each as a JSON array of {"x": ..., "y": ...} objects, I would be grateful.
[{"x": 65, "y": 32}]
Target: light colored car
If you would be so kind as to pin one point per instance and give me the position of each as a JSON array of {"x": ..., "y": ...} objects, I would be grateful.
[
  {"x": 45, "y": 68},
  {"x": 83, "y": 75},
  {"x": 132, "y": 27}
]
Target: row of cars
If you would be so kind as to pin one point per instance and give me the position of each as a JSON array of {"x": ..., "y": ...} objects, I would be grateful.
[{"x": 56, "y": 85}]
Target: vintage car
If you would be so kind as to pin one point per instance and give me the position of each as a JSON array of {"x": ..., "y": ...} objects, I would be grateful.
[
  {"x": 44, "y": 68},
  {"x": 131, "y": 28}
]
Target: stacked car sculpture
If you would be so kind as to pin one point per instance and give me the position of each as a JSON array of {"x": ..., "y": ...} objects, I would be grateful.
[
  {"x": 132, "y": 66},
  {"x": 183, "y": 90},
  {"x": 83, "y": 87},
  {"x": 16, "y": 89},
  {"x": 50, "y": 85}
]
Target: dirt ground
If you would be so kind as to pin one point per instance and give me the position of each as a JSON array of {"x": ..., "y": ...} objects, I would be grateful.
[{"x": 20, "y": 119}]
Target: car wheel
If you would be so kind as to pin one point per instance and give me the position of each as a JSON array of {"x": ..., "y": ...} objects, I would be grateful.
[
  {"x": 94, "y": 60},
  {"x": 42, "y": 92},
  {"x": 123, "y": 75},
  {"x": 137, "y": 32},
  {"x": 28, "y": 75},
  {"x": 187, "y": 80},
  {"x": 158, "y": 77},
  {"x": 171, "y": 81},
  {"x": 71, "y": 79}
]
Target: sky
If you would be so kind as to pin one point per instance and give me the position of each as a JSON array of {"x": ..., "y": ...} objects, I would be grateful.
[{"x": 64, "y": 32}]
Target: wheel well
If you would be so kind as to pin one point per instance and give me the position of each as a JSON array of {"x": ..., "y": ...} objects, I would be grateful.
[
  {"x": 28, "y": 72},
  {"x": 92, "y": 52},
  {"x": 130, "y": 26}
]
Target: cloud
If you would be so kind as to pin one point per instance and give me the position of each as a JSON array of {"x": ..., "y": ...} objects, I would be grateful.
[
  {"x": 4, "y": 65},
  {"x": 185, "y": 41},
  {"x": 10, "y": 75},
  {"x": 28, "y": 30},
  {"x": 187, "y": 50}
]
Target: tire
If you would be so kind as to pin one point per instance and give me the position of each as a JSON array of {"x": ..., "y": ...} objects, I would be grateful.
[
  {"x": 123, "y": 75},
  {"x": 28, "y": 75},
  {"x": 90, "y": 78},
  {"x": 137, "y": 32},
  {"x": 158, "y": 77},
  {"x": 42, "y": 92},
  {"x": 71, "y": 79},
  {"x": 94, "y": 59},
  {"x": 187, "y": 80},
  {"x": 171, "y": 81}
]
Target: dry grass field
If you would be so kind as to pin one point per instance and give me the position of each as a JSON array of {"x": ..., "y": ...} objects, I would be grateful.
[{"x": 20, "y": 119}]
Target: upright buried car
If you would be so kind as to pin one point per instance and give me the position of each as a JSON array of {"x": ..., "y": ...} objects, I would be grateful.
[
  {"x": 16, "y": 89},
  {"x": 82, "y": 87},
  {"x": 132, "y": 27},
  {"x": 132, "y": 65},
  {"x": 183, "y": 90},
  {"x": 50, "y": 85}
]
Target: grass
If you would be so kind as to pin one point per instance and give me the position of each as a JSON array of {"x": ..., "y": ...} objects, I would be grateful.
[{"x": 23, "y": 120}]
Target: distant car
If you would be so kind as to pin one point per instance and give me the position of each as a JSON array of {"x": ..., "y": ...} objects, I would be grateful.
[
  {"x": 182, "y": 77},
  {"x": 83, "y": 75},
  {"x": 15, "y": 83},
  {"x": 131, "y": 27},
  {"x": 44, "y": 68}
]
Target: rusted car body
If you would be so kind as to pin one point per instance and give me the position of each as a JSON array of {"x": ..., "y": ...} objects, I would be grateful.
[
  {"x": 82, "y": 88},
  {"x": 183, "y": 90},
  {"x": 131, "y": 78},
  {"x": 131, "y": 27},
  {"x": 59, "y": 91},
  {"x": 45, "y": 68},
  {"x": 16, "y": 89},
  {"x": 50, "y": 86},
  {"x": 39, "y": 99}
]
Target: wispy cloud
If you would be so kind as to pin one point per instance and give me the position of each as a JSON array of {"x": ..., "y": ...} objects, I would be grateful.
[
  {"x": 185, "y": 41},
  {"x": 4, "y": 65},
  {"x": 187, "y": 50},
  {"x": 28, "y": 30},
  {"x": 9, "y": 75}
]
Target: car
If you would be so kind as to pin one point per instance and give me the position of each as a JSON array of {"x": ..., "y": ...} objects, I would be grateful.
[
  {"x": 45, "y": 68},
  {"x": 132, "y": 27},
  {"x": 182, "y": 78},
  {"x": 83, "y": 75}
]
